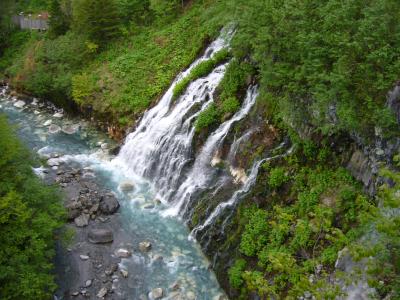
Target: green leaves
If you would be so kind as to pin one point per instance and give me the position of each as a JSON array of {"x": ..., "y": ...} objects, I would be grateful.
[{"x": 29, "y": 214}]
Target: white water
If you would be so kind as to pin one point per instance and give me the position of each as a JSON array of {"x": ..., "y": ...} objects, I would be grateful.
[
  {"x": 239, "y": 193},
  {"x": 201, "y": 173},
  {"x": 159, "y": 148}
]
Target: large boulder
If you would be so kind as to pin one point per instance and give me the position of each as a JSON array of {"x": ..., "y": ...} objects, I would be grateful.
[
  {"x": 109, "y": 204},
  {"x": 100, "y": 236}
]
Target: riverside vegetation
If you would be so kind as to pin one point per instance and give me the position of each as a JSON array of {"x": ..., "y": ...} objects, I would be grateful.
[{"x": 323, "y": 67}]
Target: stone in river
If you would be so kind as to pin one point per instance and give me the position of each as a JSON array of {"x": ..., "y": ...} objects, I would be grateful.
[
  {"x": 124, "y": 273},
  {"x": 102, "y": 292},
  {"x": 53, "y": 162},
  {"x": 126, "y": 186},
  {"x": 83, "y": 257},
  {"x": 54, "y": 129},
  {"x": 82, "y": 220},
  {"x": 156, "y": 293},
  {"x": 58, "y": 115},
  {"x": 70, "y": 129},
  {"x": 88, "y": 283},
  {"x": 109, "y": 204},
  {"x": 47, "y": 123},
  {"x": 123, "y": 253},
  {"x": 100, "y": 236},
  {"x": 19, "y": 104},
  {"x": 145, "y": 246}
]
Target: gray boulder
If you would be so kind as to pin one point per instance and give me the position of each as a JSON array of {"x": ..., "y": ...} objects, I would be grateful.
[
  {"x": 82, "y": 220},
  {"x": 109, "y": 204},
  {"x": 100, "y": 236}
]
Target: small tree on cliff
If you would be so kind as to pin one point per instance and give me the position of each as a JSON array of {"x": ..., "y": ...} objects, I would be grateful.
[{"x": 98, "y": 19}]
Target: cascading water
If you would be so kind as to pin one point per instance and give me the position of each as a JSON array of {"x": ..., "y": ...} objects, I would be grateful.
[
  {"x": 239, "y": 194},
  {"x": 201, "y": 173},
  {"x": 160, "y": 146}
]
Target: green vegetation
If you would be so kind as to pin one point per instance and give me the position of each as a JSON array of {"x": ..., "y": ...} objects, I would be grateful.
[
  {"x": 30, "y": 212},
  {"x": 330, "y": 63},
  {"x": 231, "y": 88},
  {"x": 290, "y": 235},
  {"x": 202, "y": 69},
  {"x": 129, "y": 58}
]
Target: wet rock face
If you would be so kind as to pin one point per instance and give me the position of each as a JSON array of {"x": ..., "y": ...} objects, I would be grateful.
[
  {"x": 393, "y": 101},
  {"x": 359, "y": 167}
]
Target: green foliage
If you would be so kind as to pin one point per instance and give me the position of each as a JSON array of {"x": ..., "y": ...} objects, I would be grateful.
[
  {"x": 321, "y": 61},
  {"x": 207, "y": 117},
  {"x": 29, "y": 214},
  {"x": 83, "y": 88},
  {"x": 277, "y": 177},
  {"x": 98, "y": 19},
  {"x": 230, "y": 105},
  {"x": 235, "y": 273},
  {"x": 307, "y": 225},
  {"x": 201, "y": 70},
  {"x": 58, "y": 22}
]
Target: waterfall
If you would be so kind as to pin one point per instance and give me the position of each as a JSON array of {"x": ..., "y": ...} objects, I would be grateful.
[
  {"x": 202, "y": 172},
  {"x": 160, "y": 146},
  {"x": 239, "y": 194},
  {"x": 236, "y": 143}
]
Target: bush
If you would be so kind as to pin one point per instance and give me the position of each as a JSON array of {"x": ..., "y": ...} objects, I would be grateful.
[
  {"x": 207, "y": 117},
  {"x": 235, "y": 273},
  {"x": 277, "y": 177},
  {"x": 29, "y": 214},
  {"x": 201, "y": 70}
]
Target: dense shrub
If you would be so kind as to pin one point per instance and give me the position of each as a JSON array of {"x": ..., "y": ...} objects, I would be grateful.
[{"x": 29, "y": 214}]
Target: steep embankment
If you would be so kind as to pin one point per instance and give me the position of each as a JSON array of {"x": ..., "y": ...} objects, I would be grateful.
[{"x": 322, "y": 116}]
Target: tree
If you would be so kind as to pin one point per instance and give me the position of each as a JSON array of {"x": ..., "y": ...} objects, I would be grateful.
[
  {"x": 58, "y": 23},
  {"x": 98, "y": 19}
]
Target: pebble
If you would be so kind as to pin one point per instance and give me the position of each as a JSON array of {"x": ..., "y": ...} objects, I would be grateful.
[
  {"x": 123, "y": 253},
  {"x": 124, "y": 273},
  {"x": 156, "y": 293},
  {"x": 145, "y": 246},
  {"x": 88, "y": 283},
  {"x": 19, "y": 104},
  {"x": 102, "y": 292},
  {"x": 84, "y": 257},
  {"x": 58, "y": 115}
]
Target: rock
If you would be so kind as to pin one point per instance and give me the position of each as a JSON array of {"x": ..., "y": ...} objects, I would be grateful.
[
  {"x": 145, "y": 246},
  {"x": 102, "y": 292},
  {"x": 88, "y": 283},
  {"x": 109, "y": 204},
  {"x": 36, "y": 112},
  {"x": 52, "y": 162},
  {"x": 58, "y": 115},
  {"x": 19, "y": 104},
  {"x": 124, "y": 273},
  {"x": 123, "y": 253},
  {"x": 47, "y": 123},
  {"x": 126, "y": 186},
  {"x": 104, "y": 146},
  {"x": 190, "y": 295},
  {"x": 53, "y": 129},
  {"x": 148, "y": 206},
  {"x": 83, "y": 257},
  {"x": 74, "y": 294},
  {"x": 82, "y": 220},
  {"x": 156, "y": 293},
  {"x": 100, "y": 236},
  {"x": 70, "y": 129},
  {"x": 175, "y": 286}
]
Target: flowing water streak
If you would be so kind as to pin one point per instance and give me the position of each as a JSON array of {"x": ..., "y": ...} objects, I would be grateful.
[
  {"x": 202, "y": 172},
  {"x": 160, "y": 146},
  {"x": 236, "y": 143},
  {"x": 237, "y": 196}
]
